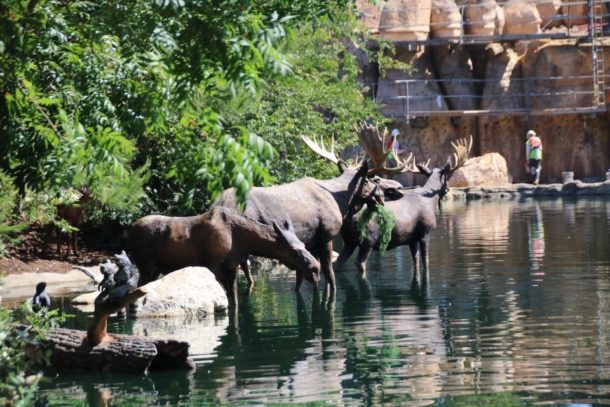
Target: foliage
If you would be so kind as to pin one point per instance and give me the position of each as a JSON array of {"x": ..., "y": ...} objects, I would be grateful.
[
  {"x": 321, "y": 98},
  {"x": 385, "y": 221},
  {"x": 20, "y": 354}
]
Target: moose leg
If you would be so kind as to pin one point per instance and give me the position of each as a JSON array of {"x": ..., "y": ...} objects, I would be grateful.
[
  {"x": 414, "y": 254},
  {"x": 229, "y": 279},
  {"x": 363, "y": 255},
  {"x": 74, "y": 237},
  {"x": 347, "y": 251},
  {"x": 424, "y": 256},
  {"x": 246, "y": 268},
  {"x": 326, "y": 264}
]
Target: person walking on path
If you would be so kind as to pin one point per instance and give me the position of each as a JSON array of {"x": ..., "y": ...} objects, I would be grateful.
[{"x": 533, "y": 154}]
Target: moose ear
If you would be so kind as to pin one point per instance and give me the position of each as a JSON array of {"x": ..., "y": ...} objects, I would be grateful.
[
  {"x": 446, "y": 168},
  {"x": 288, "y": 225},
  {"x": 363, "y": 170},
  {"x": 279, "y": 231},
  {"x": 424, "y": 170},
  {"x": 342, "y": 165}
]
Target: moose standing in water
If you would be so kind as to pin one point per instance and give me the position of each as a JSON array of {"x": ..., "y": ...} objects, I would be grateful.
[
  {"x": 220, "y": 240},
  {"x": 316, "y": 208},
  {"x": 414, "y": 213}
]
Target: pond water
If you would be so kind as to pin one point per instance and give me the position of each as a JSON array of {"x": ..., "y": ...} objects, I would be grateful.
[{"x": 517, "y": 311}]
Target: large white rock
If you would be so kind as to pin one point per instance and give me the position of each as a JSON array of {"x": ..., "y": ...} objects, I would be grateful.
[
  {"x": 487, "y": 170},
  {"x": 191, "y": 291}
]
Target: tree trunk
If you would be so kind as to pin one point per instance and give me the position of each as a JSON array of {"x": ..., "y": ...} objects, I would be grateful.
[{"x": 71, "y": 350}]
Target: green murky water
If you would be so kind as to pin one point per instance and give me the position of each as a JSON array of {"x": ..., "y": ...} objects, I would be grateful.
[{"x": 517, "y": 312}]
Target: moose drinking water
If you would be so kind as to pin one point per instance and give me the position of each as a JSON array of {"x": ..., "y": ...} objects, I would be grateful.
[
  {"x": 315, "y": 207},
  {"x": 220, "y": 240}
]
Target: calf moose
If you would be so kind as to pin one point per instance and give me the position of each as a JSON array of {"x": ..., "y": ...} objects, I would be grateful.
[{"x": 220, "y": 240}]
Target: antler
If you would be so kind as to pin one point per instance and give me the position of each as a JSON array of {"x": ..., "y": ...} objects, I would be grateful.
[
  {"x": 374, "y": 143},
  {"x": 411, "y": 167},
  {"x": 462, "y": 149},
  {"x": 320, "y": 149}
]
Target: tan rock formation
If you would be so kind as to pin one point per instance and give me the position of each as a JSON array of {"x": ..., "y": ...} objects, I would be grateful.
[
  {"x": 549, "y": 11},
  {"x": 369, "y": 14},
  {"x": 480, "y": 17},
  {"x": 575, "y": 12},
  {"x": 501, "y": 92},
  {"x": 487, "y": 170},
  {"x": 500, "y": 20},
  {"x": 405, "y": 20},
  {"x": 445, "y": 20},
  {"x": 521, "y": 18},
  {"x": 419, "y": 94},
  {"x": 561, "y": 75},
  {"x": 454, "y": 63}
]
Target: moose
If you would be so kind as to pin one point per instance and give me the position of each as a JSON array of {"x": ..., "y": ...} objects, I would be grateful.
[
  {"x": 414, "y": 213},
  {"x": 74, "y": 215},
  {"x": 220, "y": 240},
  {"x": 316, "y": 208}
]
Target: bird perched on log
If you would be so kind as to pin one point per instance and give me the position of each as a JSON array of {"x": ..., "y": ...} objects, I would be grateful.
[{"x": 41, "y": 299}]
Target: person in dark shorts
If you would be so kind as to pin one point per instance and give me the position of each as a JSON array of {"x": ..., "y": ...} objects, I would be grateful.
[{"x": 533, "y": 154}]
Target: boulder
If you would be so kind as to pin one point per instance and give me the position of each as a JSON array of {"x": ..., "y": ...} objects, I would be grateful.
[
  {"x": 487, "y": 170},
  {"x": 445, "y": 20},
  {"x": 480, "y": 18},
  {"x": 191, "y": 291},
  {"x": 521, "y": 18},
  {"x": 405, "y": 20},
  {"x": 550, "y": 11}
]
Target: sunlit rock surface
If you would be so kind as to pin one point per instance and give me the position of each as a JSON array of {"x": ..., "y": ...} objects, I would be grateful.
[
  {"x": 489, "y": 169},
  {"x": 191, "y": 291}
]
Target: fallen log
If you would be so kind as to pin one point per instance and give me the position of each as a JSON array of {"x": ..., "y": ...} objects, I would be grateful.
[
  {"x": 70, "y": 349},
  {"x": 96, "y": 349}
]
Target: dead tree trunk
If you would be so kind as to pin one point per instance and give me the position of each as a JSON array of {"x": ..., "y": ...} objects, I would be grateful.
[
  {"x": 71, "y": 350},
  {"x": 95, "y": 349}
]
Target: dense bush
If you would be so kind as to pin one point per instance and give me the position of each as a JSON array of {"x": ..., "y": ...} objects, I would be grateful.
[{"x": 157, "y": 106}]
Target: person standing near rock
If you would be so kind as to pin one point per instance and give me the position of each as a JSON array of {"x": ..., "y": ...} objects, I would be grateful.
[{"x": 533, "y": 154}]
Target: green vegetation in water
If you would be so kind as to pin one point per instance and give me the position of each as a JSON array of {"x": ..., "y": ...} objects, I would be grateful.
[{"x": 385, "y": 220}]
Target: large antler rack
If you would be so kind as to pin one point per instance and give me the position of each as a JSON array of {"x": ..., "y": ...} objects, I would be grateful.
[
  {"x": 462, "y": 149},
  {"x": 320, "y": 149},
  {"x": 374, "y": 143}
]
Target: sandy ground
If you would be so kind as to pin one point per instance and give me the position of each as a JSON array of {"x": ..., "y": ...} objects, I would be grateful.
[{"x": 19, "y": 278}]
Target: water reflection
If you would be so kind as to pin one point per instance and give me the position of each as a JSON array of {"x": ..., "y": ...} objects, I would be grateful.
[
  {"x": 488, "y": 323},
  {"x": 535, "y": 238}
]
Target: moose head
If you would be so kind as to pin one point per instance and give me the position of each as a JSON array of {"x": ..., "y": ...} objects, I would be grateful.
[
  {"x": 296, "y": 256},
  {"x": 438, "y": 178}
]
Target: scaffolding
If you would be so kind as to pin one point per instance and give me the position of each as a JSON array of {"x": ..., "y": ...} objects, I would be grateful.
[{"x": 532, "y": 96}]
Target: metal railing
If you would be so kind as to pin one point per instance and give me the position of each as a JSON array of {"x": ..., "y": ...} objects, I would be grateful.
[{"x": 504, "y": 96}]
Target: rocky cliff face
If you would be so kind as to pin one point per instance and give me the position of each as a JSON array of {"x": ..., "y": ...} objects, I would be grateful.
[{"x": 502, "y": 77}]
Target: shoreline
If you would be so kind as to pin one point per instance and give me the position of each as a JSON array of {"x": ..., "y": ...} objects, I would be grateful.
[
  {"x": 514, "y": 191},
  {"x": 17, "y": 287}
]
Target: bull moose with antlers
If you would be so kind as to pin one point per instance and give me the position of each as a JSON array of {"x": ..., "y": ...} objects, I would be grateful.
[
  {"x": 316, "y": 208},
  {"x": 414, "y": 213}
]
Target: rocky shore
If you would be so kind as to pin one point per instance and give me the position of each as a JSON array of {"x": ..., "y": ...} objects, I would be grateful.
[{"x": 515, "y": 191}]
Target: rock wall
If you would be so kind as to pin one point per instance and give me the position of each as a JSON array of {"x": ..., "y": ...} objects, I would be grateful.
[{"x": 504, "y": 78}]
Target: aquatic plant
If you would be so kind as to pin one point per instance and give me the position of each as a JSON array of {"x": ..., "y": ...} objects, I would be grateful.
[{"x": 385, "y": 220}]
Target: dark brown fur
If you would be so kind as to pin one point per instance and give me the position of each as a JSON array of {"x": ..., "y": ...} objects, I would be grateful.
[{"x": 220, "y": 240}]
